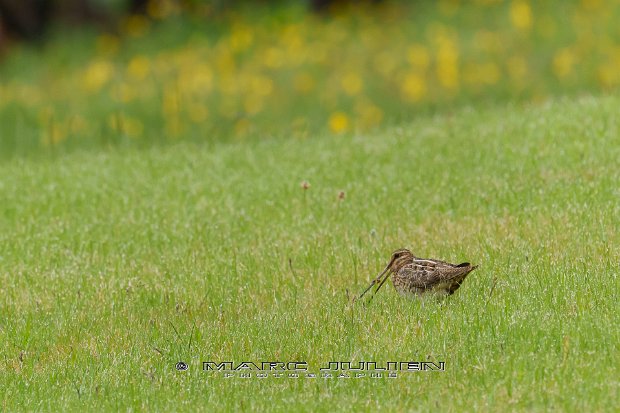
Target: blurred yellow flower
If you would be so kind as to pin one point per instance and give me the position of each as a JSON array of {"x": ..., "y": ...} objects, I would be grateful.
[
  {"x": 414, "y": 87},
  {"x": 225, "y": 63},
  {"x": 293, "y": 43},
  {"x": 273, "y": 58},
  {"x": 338, "y": 122},
  {"x": 448, "y": 63},
  {"x": 487, "y": 73},
  {"x": 352, "y": 84},
  {"x": 563, "y": 62},
  {"x": 609, "y": 75},
  {"x": 241, "y": 37},
  {"x": 196, "y": 80},
  {"x": 261, "y": 85},
  {"x": 138, "y": 67},
  {"x": 592, "y": 5},
  {"x": 97, "y": 74},
  {"x": 521, "y": 14}
]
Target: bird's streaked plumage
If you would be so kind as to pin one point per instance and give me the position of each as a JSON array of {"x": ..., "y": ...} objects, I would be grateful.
[{"x": 419, "y": 276}]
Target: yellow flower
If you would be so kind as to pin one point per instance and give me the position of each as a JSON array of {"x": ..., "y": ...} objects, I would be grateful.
[
  {"x": 273, "y": 58},
  {"x": 241, "y": 38},
  {"x": 97, "y": 75},
  {"x": 196, "y": 80},
  {"x": 482, "y": 74},
  {"x": 261, "y": 85},
  {"x": 414, "y": 87},
  {"x": 338, "y": 122},
  {"x": 591, "y": 5},
  {"x": 563, "y": 62},
  {"x": 138, "y": 67},
  {"x": 521, "y": 14},
  {"x": 352, "y": 84},
  {"x": 225, "y": 63},
  {"x": 447, "y": 62},
  {"x": 608, "y": 75}
]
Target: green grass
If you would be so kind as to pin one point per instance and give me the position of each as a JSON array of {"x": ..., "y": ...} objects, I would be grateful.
[{"x": 115, "y": 265}]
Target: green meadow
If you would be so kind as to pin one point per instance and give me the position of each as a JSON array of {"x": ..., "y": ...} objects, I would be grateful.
[
  {"x": 176, "y": 192},
  {"x": 116, "y": 265}
]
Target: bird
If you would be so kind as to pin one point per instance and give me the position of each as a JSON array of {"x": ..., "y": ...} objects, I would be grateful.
[{"x": 417, "y": 277}]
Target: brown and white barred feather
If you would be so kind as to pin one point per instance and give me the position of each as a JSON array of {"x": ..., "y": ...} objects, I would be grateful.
[{"x": 421, "y": 276}]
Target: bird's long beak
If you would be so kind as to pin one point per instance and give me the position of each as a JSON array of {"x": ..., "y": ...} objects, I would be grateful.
[{"x": 377, "y": 281}]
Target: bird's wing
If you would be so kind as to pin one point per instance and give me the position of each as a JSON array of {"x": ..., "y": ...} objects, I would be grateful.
[
  {"x": 426, "y": 274},
  {"x": 455, "y": 272},
  {"x": 420, "y": 274}
]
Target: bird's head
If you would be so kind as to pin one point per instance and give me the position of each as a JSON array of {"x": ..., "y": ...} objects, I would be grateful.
[{"x": 399, "y": 259}]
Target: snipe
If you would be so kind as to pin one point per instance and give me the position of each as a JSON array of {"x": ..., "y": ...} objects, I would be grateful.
[{"x": 418, "y": 276}]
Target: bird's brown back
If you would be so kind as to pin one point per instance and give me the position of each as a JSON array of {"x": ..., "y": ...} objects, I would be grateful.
[{"x": 421, "y": 275}]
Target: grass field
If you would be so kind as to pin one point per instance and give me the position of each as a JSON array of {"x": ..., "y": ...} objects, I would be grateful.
[{"x": 117, "y": 264}]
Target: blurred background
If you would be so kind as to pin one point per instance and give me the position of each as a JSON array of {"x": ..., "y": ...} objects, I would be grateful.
[{"x": 101, "y": 73}]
